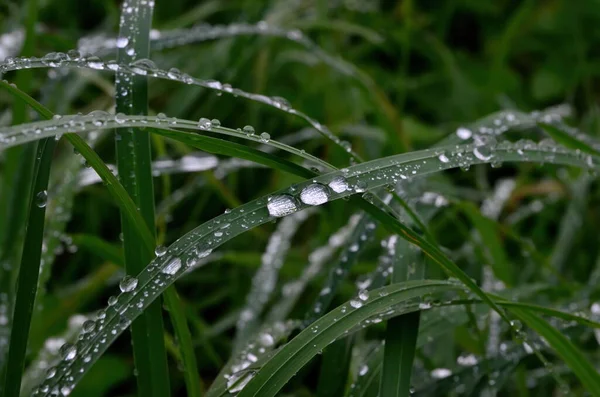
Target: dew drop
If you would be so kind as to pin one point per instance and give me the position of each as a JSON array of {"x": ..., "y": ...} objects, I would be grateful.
[
  {"x": 160, "y": 250},
  {"x": 463, "y": 133},
  {"x": 266, "y": 339},
  {"x": 265, "y": 137},
  {"x": 248, "y": 129},
  {"x": 68, "y": 352},
  {"x": 282, "y": 205},
  {"x": 41, "y": 199},
  {"x": 363, "y": 295},
  {"x": 172, "y": 267},
  {"x": 122, "y": 42},
  {"x": 443, "y": 158},
  {"x": 314, "y": 194},
  {"x": 355, "y": 303},
  {"x": 128, "y": 284},
  {"x": 483, "y": 153},
  {"x": 339, "y": 184},
  {"x": 89, "y": 326}
]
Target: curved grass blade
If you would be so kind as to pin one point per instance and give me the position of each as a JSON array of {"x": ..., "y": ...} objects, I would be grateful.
[
  {"x": 295, "y": 354},
  {"x": 147, "y": 68},
  {"x": 198, "y": 243},
  {"x": 571, "y": 355},
  {"x": 568, "y": 138}
]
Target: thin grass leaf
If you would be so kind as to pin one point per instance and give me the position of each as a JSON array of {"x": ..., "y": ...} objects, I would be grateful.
[
  {"x": 295, "y": 354},
  {"x": 573, "y": 357},
  {"x": 133, "y": 162},
  {"x": 567, "y": 138},
  {"x": 29, "y": 269}
]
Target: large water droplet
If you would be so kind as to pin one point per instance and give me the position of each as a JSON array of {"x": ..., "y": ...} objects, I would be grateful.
[
  {"x": 122, "y": 42},
  {"x": 315, "y": 194},
  {"x": 172, "y": 267},
  {"x": 339, "y": 184},
  {"x": 128, "y": 284},
  {"x": 68, "y": 352},
  {"x": 41, "y": 199},
  {"x": 282, "y": 205},
  {"x": 265, "y": 137},
  {"x": 483, "y": 153}
]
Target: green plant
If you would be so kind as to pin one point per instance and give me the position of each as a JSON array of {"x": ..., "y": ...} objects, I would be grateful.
[{"x": 441, "y": 282}]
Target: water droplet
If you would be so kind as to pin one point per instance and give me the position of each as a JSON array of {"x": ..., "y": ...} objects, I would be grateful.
[
  {"x": 160, "y": 250},
  {"x": 265, "y": 137},
  {"x": 355, "y": 303},
  {"x": 122, "y": 42},
  {"x": 89, "y": 326},
  {"x": 443, "y": 158},
  {"x": 362, "y": 371},
  {"x": 215, "y": 123},
  {"x": 483, "y": 153},
  {"x": 112, "y": 300},
  {"x": 339, "y": 184},
  {"x": 463, "y": 133},
  {"x": 204, "y": 124},
  {"x": 440, "y": 373},
  {"x": 68, "y": 351},
  {"x": 237, "y": 382},
  {"x": 172, "y": 267},
  {"x": 282, "y": 205},
  {"x": 120, "y": 118},
  {"x": 128, "y": 284},
  {"x": 266, "y": 339},
  {"x": 360, "y": 186},
  {"x": 363, "y": 295},
  {"x": 314, "y": 194},
  {"x": 248, "y": 129},
  {"x": 41, "y": 199}
]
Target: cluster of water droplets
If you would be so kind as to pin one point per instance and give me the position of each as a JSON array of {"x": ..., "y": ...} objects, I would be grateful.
[
  {"x": 265, "y": 279},
  {"x": 146, "y": 67}
]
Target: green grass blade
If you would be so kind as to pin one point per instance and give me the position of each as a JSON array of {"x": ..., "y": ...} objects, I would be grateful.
[
  {"x": 15, "y": 187},
  {"x": 401, "y": 332},
  {"x": 188, "y": 357},
  {"x": 335, "y": 366},
  {"x": 29, "y": 270},
  {"x": 198, "y": 243},
  {"x": 572, "y": 356},
  {"x": 562, "y": 136},
  {"x": 134, "y": 165},
  {"x": 294, "y": 355}
]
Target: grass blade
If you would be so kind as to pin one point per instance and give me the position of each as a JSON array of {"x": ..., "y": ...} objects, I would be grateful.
[
  {"x": 294, "y": 355},
  {"x": 401, "y": 332},
  {"x": 134, "y": 165},
  {"x": 571, "y": 355},
  {"x": 29, "y": 269}
]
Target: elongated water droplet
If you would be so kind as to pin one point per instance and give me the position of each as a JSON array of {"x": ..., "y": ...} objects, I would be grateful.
[
  {"x": 172, "y": 267},
  {"x": 356, "y": 303},
  {"x": 89, "y": 326},
  {"x": 443, "y": 158},
  {"x": 237, "y": 382},
  {"x": 41, "y": 199},
  {"x": 315, "y": 194},
  {"x": 339, "y": 184},
  {"x": 128, "y": 284},
  {"x": 282, "y": 205}
]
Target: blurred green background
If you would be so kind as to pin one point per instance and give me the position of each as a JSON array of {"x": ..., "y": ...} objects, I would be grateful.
[{"x": 412, "y": 72}]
